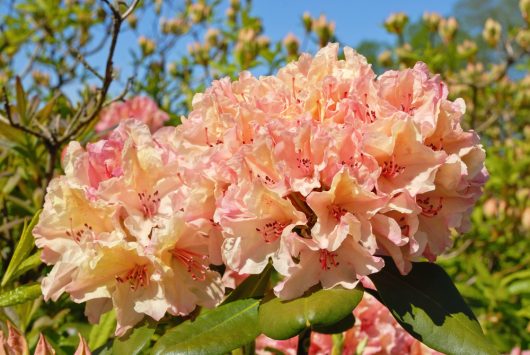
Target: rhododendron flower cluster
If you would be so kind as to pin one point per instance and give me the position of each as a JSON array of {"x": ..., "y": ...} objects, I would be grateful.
[
  {"x": 375, "y": 332},
  {"x": 139, "y": 107},
  {"x": 116, "y": 228},
  {"x": 321, "y": 169},
  {"x": 325, "y": 167}
]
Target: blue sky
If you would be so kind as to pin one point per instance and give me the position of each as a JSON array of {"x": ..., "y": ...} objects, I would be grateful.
[{"x": 356, "y": 20}]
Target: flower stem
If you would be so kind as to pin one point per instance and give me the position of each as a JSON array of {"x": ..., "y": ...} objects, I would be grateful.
[{"x": 304, "y": 341}]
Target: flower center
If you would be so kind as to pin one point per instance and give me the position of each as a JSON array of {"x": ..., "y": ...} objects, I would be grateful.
[
  {"x": 136, "y": 277},
  {"x": 336, "y": 211},
  {"x": 391, "y": 169},
  {"x": 271, "y": 231},
  {"x": 194, "y": 263},
  {"x": 428, "y": 209},
  {"x": 77, "y": 235},
  {"x": 327, "y": 259},
  {"x": 149, "y": 203}
]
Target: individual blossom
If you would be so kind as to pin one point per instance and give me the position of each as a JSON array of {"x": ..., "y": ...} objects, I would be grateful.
[{"x": 140, "y": 108}]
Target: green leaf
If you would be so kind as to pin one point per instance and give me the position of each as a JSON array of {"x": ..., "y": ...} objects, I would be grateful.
[
  {"x": 29, "y": 263},
  {"x": 427, "y": 304},
  {"x": 254, "y": 286},
  {"x": 24, "y": 247},
  {"x": 284, "y": 319},
  {"x": 22, "y": 102},
  {"x": 101, "y": 332},
  {"x": 219, "y": 331},
  {"x": 339, "y": 327},
  {"x": 20, "y": 295},
  {"x": 518, "y": 287},
  {"x": 135, "y": 341},
  {"x": 8, "y": 132}
]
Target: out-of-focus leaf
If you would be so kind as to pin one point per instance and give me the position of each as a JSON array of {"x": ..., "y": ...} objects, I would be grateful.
[
  {"x": 321, "y": 309},
  {"x": 519, "y": 287},
  {"x": 101, "y": 332},
  {"x": 11, "y": 134},
  {"x": 22, "y": 102},
  {"x": 24, "y": 246},
  {"x": 19, "y": 295},
  {"x": 218, "y": 331},
  {"x": 427, "y": 304}
]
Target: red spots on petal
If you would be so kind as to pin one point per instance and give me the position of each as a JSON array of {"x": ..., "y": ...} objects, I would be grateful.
[
  {"x": 327, "y": 259},
  {"x": 428, "y": 208},
  {"x": 391, "y": 169},
  {"x": 149, "y": 203}
]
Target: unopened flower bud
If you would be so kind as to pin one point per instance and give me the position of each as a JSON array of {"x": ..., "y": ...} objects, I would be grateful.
[
  {"x": 385, "y": 58},
  {"x": 396, "y": 22},
  {"x": 291, "y": 44},
  {"x": 231, "y": 15},
  {"x": 235, "y": 4},
  {"x": 324, "y": 30},
  {"x": 431, "y": 20},
  {"x": 523, "y": 39},
  {"x": 467, "y": 49},
  {"x": 40, "y": 78},
  {"x": 490, "y": 208},
  {"x": 492, "y": 32},
  {"x": 132, "y": 20},
  {"x": 263, "y": 41},
  {"x": 307, "y": 20},
  {"x": 447, "y": 29},
  {"x": 147, "y": 45},
  {"x": 212, "y": 37}
]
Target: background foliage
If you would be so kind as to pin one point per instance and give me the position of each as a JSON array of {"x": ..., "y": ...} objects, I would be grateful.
[{"x": 62, "y": 52}]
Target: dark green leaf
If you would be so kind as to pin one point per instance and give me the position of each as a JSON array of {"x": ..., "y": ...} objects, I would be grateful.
[
  {"x": 20, "y": 295},
  {"x": 216, "y": 332},
  {"x": 24, "y": 246},
  {"x": 135, "y": 341},
  {"x": 284, "y": 319},
  {"x": 339, "y": 327},
  {"x": 427, "y": 304},
  {"x": 254, "y": 286}
]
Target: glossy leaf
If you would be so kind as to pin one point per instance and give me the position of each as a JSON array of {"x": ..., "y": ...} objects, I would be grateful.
[
  {"x": 20, "y": 295},
  {"x": 215, "y": 332},
  {"x": 135, "y": 341},
  {"x": 339, "y": 327},
  {"x": 324, "y": 308},
  {"x": 427, "y": 304},
  {"x": 254, "y": 286},
  {"x": 24, "y": 247}
]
